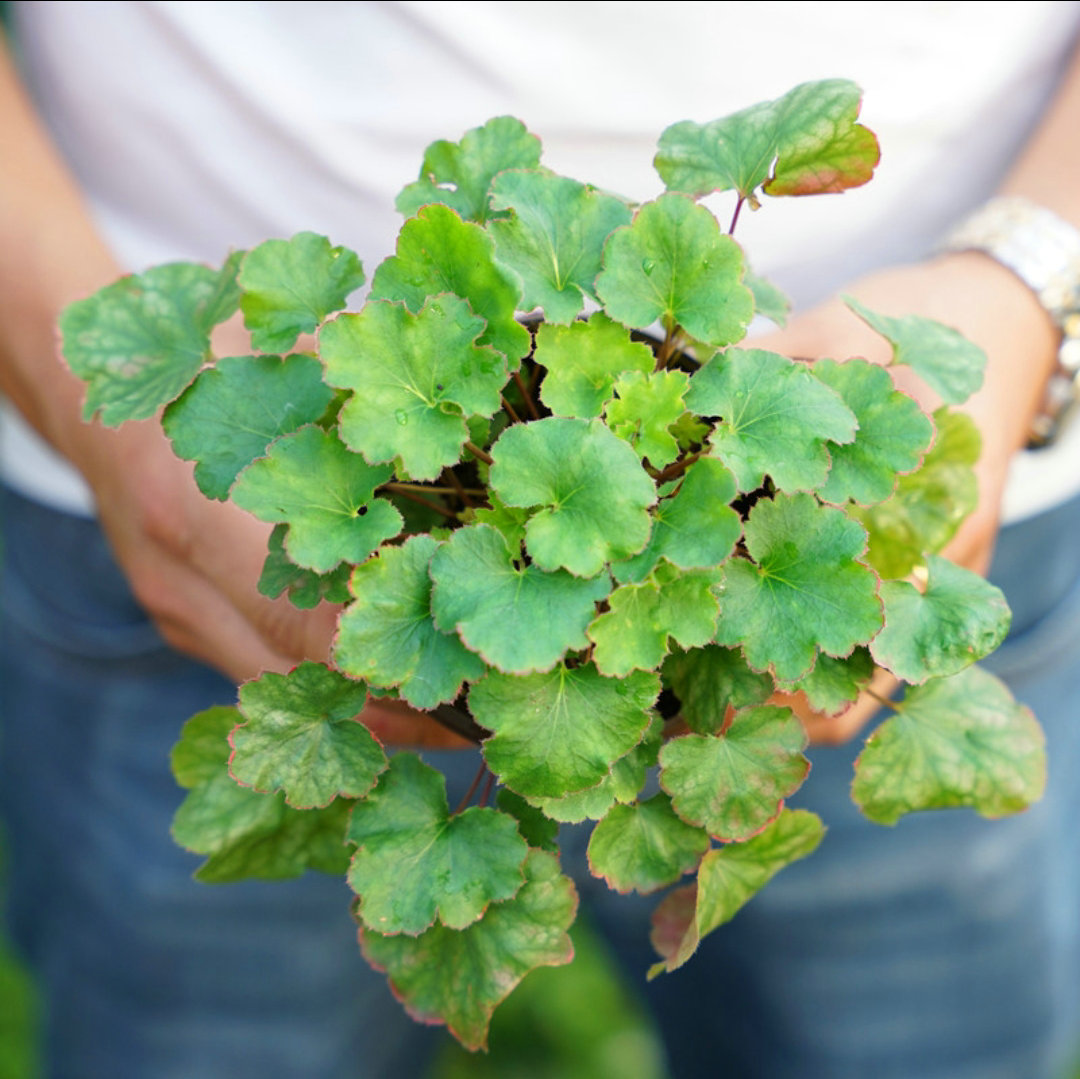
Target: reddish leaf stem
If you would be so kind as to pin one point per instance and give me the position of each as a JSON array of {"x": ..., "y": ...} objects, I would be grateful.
[
  {"x": 735, "y": 216},
  {"x": 472, "y": 788},
  {"x": 458, "y": 487},
  {"x": 530, "y": 404},
  {"x": 514, "y": 417},
  {"x": 407, "y": 492},
  {"x": 478, "y": 453},
  {"x": 489, "y": 786},
  {"x": 677, "y": 468}
]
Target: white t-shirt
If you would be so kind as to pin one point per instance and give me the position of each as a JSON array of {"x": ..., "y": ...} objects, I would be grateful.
[{"x": 196, "y": 127}]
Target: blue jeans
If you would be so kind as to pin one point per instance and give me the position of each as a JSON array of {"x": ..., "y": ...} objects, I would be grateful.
[{"x": 943, "y": 948}]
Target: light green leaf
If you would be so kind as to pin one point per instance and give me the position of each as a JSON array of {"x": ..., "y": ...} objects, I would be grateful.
[
  {"x": 510, "y": 521},
  {"x": 807, "y": 141},
  {"x": 562, "y": 730},
  {"x": 959, "y": 741},
  {"x": 583, "y": 360},
  {"x": 948, "y": 362},
  {"x": 416, "y": 379},
  {"x": 415, "y": 862},
  {"x": 459, "y": 174},
  {"x": 437, "y": 252},
  {"x": 290, "y": 286},
  {"x": 387, "y": 635},
  {"x": 710, "y": 681},
  {"x": 537, "y": 829},
  {"x": 325, "y": 494},
  {"x": 304, "y": 587},
  {"x": 302, "y": 735},
  {"x": 644, "y": 409},
  {"x": 459, "y": 978},
  {"x": 776, "y": 418},
  {"x": 673, "y": 264},
  {"x": 138, "y": 342},
  {"x": 734, "y": 783},
  {"x": 833, "y": 684},
  {"x": 235, "y": 409},
  {"x": 769, "y": 301},
  {"x": 893, "y": 433},
  {"x": 517, "y": 617},
  {"x": 727, "y": 880},
  {"x": 590, "y": 489},
  {"x": 645, "y": 846},
  {"x": 807, "y": 593}
]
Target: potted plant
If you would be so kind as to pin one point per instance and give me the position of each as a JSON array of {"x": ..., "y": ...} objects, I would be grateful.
[{"x": 592, "y": 552}]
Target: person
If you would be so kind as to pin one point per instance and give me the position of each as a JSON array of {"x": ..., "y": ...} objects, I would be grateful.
[{"x": 163, "y": 131}]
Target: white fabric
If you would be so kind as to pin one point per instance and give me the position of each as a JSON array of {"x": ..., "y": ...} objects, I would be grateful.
[{"x": 199, "y": 127}]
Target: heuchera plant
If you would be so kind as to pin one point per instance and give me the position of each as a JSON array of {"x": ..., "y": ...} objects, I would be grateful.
[{"x": 592, "y": 553}]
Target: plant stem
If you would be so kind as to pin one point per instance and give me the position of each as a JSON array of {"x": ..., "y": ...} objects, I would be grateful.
[
  {"x": 458, "y": 487},
  {"x": 433, "y": 489},
  {"x": 735, "y": 216},
  {"x": 408, "y": 492},
  {"x": 478, "y": 453},
  {"x": 677, "y": 468},
  {"x": 514, "y": 417},
  {"x": 489, "y": 786},
  {"x": 472, "y": 788},
  {"x": 883, "y": 700},
  {"x": 530, "y": 404}
]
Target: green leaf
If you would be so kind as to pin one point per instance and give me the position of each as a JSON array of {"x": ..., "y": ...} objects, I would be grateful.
[
  {"x": 311, "y": 482},
  {"x": 305, "y": 588},
  {"x": 416, "y": 379},
  {"x": 388, "y": 637},
  {"x": 437, "y": 252},
  {"x": 138, "y": 342},
  {"x": 727, "y": 880},
  {"x": 562, "y": 730},
  {"x": 893, "y": 433},
  {"x": 694, "y": 528},
  {"x": 416, "y": 862},
  {"x": 633, "y": 633},
  {"x": 246, "y": 834},
  {"x": 459, "y": 978},
  {"x": 510, "y": 521},
  {"x": 807, "y": 593},
  {"x": 235, "y": 409},
  {"x": 710, "y": 681},
  {"x": 673, "y": 264},
  {"x": 769, "y": 301},
  {"x": 946, "y": 360},
  {"x": 538, "y": 830},
  {"x": 776, "y": 418},
  {"x": 583, "y": 360},
  {"x": 734, "y": 783},
  {"x": 592, "y": 493},
  {"x": 518, "y": 618},
  {"x": 303, "y": 736},
  {"x": 290, "y": 286},
  {"x": 833, "y": 684},
  {"x": 958, "y": 619},
  {"x": 645, "y": 846},
  {"x": 645, "y": 408},
  {"x": 804, "y": 143},
  {"x": 555, "y": 237},
  {"x": 459, "y": 174},
  {"x": 959, "y": 741},
  {"x": 929, "y": 505}
]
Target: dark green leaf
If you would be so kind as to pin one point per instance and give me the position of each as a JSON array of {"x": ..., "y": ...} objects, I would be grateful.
[
  {"x": 710, "y": 681},
  {"x": 535, "y": 828},
  {"x": 833, "y": 684},
  {"x": 305, "y": 588}
]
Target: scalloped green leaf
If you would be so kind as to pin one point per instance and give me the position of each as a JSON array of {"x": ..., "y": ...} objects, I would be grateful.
[
  {"x": 695, "y": 528},
  {"x": 554, "y": 239},
  {"x": 673, "y": 264},
  {"x": 769, "y": 301},
  {"x": 945, "y": 359},
  {"x": 834, "y": 683},
  {"x": 235, "y": 409},
  {"x": 776, "y": 418},
  {"x": 583, "y": 360},
  {"x": 303, "y": 587},
  {"x": 562, "y": 730},
  {"x": 645, "y": 407},
  {"x": 324, "y": 493},
  {"x": 734, "y": 783},
  {"x": 416, "y": 862},
  {"x": 517, "y": 617},
  {"x": 459, "y": 174},
  {"x": 246, "y": 834},
  {"x": 416, "y": 379},
  {"x": 302, "y": 735},
  {"x": 804, "y": 143},
  {"x": 893, "y": 433},
  {"x": 592, "y": 494},
  {"x": 807, "y": 592},
  {"x": 710, "y": 681},
  {"x": 538, "y": 830},
  {"x": 138, "y": 342},
  {"x": 727, "y": 879},
  {"x": 289, "y": 286},
  {"x": 459, "y": 978},
  {"x": 437, "y": 252},
  {"x": 388, "y": 636},
  {"x": 960, "y": 618},
  {"x": 645, "y": 846},
  {"x": 929, "y": 505},
  {"x": 959, "y": 741}
]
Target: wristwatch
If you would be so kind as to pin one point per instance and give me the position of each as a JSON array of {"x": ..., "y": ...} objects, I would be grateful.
[{"x": 1044, "y": 252}]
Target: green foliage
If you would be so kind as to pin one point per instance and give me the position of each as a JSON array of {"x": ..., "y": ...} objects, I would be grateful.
[{"x": 593, "y": 553}]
